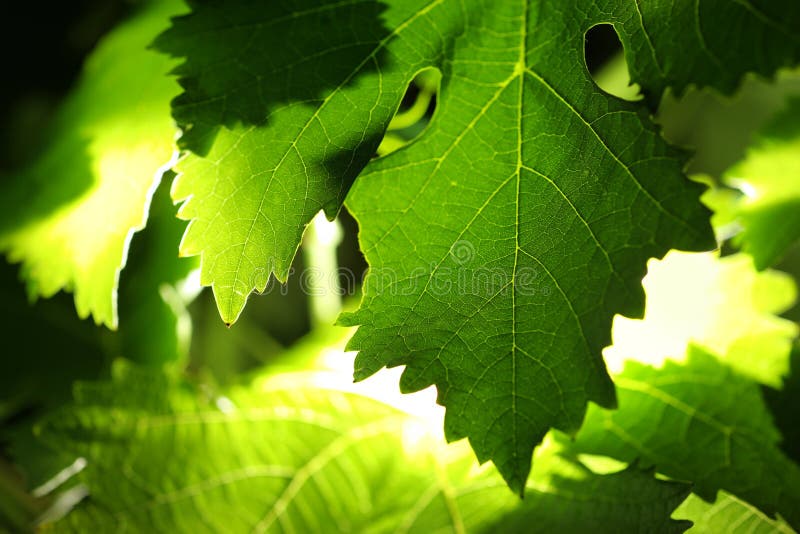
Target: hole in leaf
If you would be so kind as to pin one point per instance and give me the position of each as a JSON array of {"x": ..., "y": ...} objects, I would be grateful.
[
  {"x": 415, "y": 112},
  {"x": 605, "y": 59}
]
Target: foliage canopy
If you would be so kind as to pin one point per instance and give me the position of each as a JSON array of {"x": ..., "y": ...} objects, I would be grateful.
[{"x": 504, "y": 238}]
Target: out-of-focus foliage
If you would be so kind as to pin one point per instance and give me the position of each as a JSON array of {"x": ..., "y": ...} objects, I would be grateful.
[
  {"x": 224, "y": 429},
  {"x": 69, "y": 217},
  {"x": 768, "y": 210},
  {"x": 728, "y": 514},
  {"x": 722, "y": 304},
  {"x": 294, "y": 452}
]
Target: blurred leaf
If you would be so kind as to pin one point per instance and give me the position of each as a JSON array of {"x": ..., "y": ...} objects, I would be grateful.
[
  {"x": 769, "y": 177},
  {"x": 613, "y": 78},
  {"x": 289, "y": 455},
  {"x": 18, "y": 508},
  {"x": 722, "y": 304},
  {"x": 62, "y": 349},
  {"x": 155, "y": 326},
  {"x": 69, "y": 217},
  {"x": 718, "y": 128},
  {"x": 58, "y": 348},
  {"x": 698, "y": 421},
  {"x": 783, "y": 403},
  {"x": 729, "y": 515}
]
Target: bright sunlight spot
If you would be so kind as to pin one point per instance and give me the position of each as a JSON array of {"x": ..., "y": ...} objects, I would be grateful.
[{"x": 721, "y": 304}]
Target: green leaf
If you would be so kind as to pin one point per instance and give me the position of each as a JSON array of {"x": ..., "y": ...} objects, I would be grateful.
[
  {"x": 284, "y": 104},
  {"x": 783, "y": 405},
  {"x": 70, "y": 216},
  {"x": 698, "y": 421},
  {"x": 504, "y": 240},
  {"x": 155, "y": 326},
  {"x": 564, "y": 495},
  {"x": 277, "y": 111},
  {"x": 526, "y": 164},
  {"x": 721, "y": 304},
  {"x": 769, "y": 176},
  {"x": 728, "y": 514},
  {"x": 154, "y": 330},
  {"x": 287, "y": 455},
  {"x": 677, "y": 44},
  {"x": 720, "y": 128}
]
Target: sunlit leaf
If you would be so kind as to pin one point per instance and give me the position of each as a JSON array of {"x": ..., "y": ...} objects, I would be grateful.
[
  {"x": 69, "y": 217},
  {"x": 698, "y": 420},
  {"x": 289, "y": 455},
  {"x": 722, "y": 304},
  {"x": 728, "y": 514},
  {"x": 768, "y": 211}
]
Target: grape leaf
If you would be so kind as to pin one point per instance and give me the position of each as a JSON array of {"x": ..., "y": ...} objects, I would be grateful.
[
  {"x": 728, "y": 514},
  {"x": 526, "y": 160},
  {"x": 286, "y": 102},
  {"x": 678, "y": 44},
  {"x": 508, "y": 236},
  {"x": 289, "y": 100},
  {"x": 287, "y": 455},
  {"x": 768, "y": 212},
  {"x": 70, "y": 216},
  {"x": 698, "y": 421}
]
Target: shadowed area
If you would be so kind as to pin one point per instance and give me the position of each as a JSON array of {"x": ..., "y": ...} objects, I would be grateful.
[
  {"x": 243, "y": 64},
  {"x": 61, "y": 174}
]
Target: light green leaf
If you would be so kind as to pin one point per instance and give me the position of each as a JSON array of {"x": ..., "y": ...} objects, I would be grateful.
[
  {"x": 728, "y": 514},
  {"x": 768, "y": 212},
  {"x": 288, "y": 455},
  {"x": 702, "y": 422},
  {"x": 285, "y": 103},
  {"x": 527, "y": 169},
  {"x": 721, "y": 304},
  {"x": 70, "y": 216}
]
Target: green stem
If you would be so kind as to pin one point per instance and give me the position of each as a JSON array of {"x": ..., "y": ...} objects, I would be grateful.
[{"x": 320, "y": 279}]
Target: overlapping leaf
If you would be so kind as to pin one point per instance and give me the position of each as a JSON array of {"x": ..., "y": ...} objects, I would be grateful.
[
  {"x": 286, "y": 102},
  {"x": 287, "y": 455},
  {"x": 702, "y": 422},
  {"x": 69, "y": 217},
  {"x": 708, "y": 43},
  {"x": 290, "y": 99},
  {"x": 531, "y": 184}
]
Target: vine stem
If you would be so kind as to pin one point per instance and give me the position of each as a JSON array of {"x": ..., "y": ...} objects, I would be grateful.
[{"x": 320, "y": 280}]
